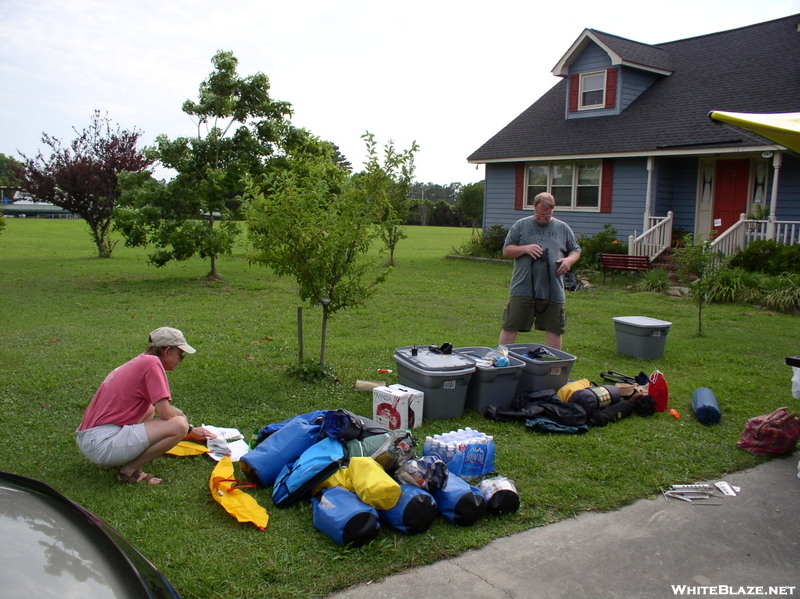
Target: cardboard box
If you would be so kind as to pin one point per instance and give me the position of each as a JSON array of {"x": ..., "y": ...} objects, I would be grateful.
[{"x": 397, "y": 406}]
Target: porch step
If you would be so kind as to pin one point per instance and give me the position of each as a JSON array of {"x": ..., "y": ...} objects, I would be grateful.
[{"x": 666, "y": 261}]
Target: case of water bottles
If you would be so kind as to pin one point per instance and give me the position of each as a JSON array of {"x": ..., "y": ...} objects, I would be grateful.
[{"x": 468, "y": 453}]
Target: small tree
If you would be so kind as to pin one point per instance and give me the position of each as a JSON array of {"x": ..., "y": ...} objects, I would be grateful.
[
  {"x": 470, "y": 203},
  {"x": 701, "y": 267},
  {"x": 241, "y": 131},
  {"x": 82, "y": 178},
  {"x": 316, "y": 224},
  {"x": 389, "y": 184},
  {"x": 9, "y": 176}
]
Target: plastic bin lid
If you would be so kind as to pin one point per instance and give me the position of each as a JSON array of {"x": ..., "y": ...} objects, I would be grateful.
[
  {"x": 642, "y": 321},
  {"x": 428, "y": 360}
]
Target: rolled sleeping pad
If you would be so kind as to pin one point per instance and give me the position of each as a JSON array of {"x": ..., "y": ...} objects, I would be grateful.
[
  {"x": 595, "y": 397},
  {"x": 705, "y": 406},
  {"x": 344, "y": 518},
  {"x": 414, "y": 512}
]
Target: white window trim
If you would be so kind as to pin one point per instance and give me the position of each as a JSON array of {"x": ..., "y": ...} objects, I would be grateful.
[
  {"x": 582, "y": 78},
  {"x": 527, "y": 203}
]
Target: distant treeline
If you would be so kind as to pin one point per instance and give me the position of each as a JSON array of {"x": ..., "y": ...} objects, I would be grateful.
[{"x": 453, "y": 205}]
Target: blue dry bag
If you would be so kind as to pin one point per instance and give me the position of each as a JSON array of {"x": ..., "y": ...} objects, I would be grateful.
[
  {"x": 460, "y": 502},
  {"x": 346, "y": 519},
  {"x": 281, "y": 444},
  {"x": 414, "y": 512}
]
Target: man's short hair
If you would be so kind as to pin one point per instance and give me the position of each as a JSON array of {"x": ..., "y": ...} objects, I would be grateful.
[{"x": 544, "y": 198}]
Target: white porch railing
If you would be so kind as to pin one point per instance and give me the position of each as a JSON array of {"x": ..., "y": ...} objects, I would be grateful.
[
  {"x": 656, "y": 239},
  {"x": 745, "y": 231}
]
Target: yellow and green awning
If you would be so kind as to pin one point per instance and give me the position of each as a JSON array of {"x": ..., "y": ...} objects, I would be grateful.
[{"x": 782, "y": 128}]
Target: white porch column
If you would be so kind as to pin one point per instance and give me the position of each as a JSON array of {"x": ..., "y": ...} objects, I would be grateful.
[
  {"x": 647, "y": 199},
  {"x": 777, "y": 160}
]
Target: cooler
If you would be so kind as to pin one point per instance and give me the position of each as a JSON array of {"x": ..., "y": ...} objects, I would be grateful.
[
  {"x": 491, "y": 385},
  {"x": 641, "y": 337},
  {"x": 541, "y": 374},
  {"x": 443, "y": 378}
]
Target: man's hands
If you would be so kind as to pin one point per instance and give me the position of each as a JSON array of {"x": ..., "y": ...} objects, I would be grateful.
[{"x": 565, "y": 264}]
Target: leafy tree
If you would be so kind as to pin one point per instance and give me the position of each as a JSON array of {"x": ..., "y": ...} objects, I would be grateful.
[
  {"x": 388, "y": 183},
  {"x": 82, "y": 177},
  {"x": 9, "y": 176},
  {"x": 315, "y": 223},
  {"x": 470, "y": 203},
  {"x": 241, "y": 131}
]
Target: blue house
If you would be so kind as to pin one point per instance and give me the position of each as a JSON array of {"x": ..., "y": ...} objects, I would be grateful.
[{"x": 625, "y": 138}]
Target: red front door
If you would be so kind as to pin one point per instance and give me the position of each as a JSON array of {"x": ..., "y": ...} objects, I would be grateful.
[{"x": 730, "y": 195}]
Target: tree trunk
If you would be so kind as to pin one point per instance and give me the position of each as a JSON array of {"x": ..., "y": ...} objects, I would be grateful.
[
  {"x": 324, "y": 336},
  {"x": 213, "y": 272},
  {"x": 98, "y": 234}
]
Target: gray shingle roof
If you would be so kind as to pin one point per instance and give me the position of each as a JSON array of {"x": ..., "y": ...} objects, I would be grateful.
[
  {"x": 636, "y": 52},
  {"x": 750, "y": 69}
]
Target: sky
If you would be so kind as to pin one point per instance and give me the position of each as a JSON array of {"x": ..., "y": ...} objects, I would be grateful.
[{"x": 446, "y": 74}]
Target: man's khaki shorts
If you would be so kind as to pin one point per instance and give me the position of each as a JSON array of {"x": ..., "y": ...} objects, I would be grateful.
[{"x": 521, "y": 314}]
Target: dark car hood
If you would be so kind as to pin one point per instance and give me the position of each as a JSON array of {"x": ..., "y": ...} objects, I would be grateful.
[{"x": 52, "y": 547}]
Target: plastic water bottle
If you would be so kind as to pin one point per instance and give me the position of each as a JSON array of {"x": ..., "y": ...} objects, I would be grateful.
[
  {"x": 426, "y": 447},
  {"x": 490, "y": 454}
]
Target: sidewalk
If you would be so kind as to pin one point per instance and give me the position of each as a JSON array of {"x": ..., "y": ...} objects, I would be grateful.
[{"x": 748, "y": 546}]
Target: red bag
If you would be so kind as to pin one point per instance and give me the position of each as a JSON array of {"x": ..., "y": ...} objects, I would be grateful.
[
  {"x": 772, "y": 434},
  {"x": 659, "y": 391}
]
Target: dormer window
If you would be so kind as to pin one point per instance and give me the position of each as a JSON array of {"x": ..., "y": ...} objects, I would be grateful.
[{"x": 592, "y": 91}]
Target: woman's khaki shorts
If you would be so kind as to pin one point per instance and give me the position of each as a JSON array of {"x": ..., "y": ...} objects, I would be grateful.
[
  {"x": 111, "y": 445},
  {"x": 521, "y": 315}
]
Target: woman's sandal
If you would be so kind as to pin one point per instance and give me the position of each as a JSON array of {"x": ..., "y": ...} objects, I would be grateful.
[{"x": 138, "y": 477}]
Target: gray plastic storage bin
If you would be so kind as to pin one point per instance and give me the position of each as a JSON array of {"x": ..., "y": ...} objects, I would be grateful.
[
  {"x": 491, "y": 385},
  {"x": 641, "y": 337},
  {"x": 443, "y": 378},
  {"x": 542, "y": 374}
]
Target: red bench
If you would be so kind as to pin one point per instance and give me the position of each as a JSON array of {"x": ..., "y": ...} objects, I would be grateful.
[{"x": 623, "y": 262}]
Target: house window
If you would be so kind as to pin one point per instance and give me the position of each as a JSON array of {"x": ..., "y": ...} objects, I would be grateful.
[
  {"x": 592, "y": 94},
  {"x": 574, "y": 185}
]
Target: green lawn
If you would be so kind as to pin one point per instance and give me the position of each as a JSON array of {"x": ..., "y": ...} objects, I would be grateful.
[{"x": 69, "y": 318}]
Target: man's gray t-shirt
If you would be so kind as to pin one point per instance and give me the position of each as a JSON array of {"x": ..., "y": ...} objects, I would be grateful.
[{"x": 558, "y": 240}]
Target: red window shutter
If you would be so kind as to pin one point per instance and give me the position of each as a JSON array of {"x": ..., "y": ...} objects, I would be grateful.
[
  {"x": 606, "y": 184},
  {"x": 611, "y": 88},
  {"x": 574, "y": 90},
  {"x": 519, "y": 187}
]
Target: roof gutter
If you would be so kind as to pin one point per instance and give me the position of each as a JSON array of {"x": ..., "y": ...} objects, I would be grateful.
[{"x": 684, "y": 150}]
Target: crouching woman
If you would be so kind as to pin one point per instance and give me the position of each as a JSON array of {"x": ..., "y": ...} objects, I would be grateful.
[{"x": 131, "y": 419}]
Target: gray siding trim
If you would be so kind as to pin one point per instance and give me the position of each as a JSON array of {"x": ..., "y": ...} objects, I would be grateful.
[
  {"x": 634, "y": 82},
  {"x": 593, "y": 58}
]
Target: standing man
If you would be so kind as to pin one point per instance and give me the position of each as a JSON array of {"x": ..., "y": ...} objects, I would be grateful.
[{"x": 543, "y": 248}]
